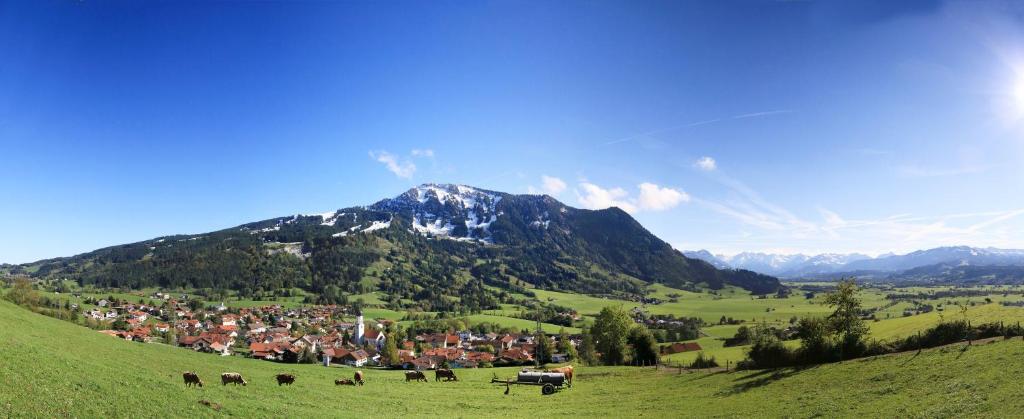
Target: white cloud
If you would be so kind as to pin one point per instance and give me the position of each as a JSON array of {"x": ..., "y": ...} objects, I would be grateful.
[
  {"x": 596, "y": 197},
  {"x": 706, "y": 164},
  {"x": 425, "y": 152},
  {"x": 401, "y": 168},
  {"x": 655, "y": 198},
  {"x": 552, "y": 185},
  {"x": 651, "y": 197}
]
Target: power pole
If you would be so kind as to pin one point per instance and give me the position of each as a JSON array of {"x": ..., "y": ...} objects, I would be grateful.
[{"x": 537, "y": 333}]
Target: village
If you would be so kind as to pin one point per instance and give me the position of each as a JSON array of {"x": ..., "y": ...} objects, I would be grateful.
[{"x": 315, "y": 334}]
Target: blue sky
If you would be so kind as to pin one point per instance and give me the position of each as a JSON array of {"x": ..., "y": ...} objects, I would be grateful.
[{"x": 732, "y": 126}]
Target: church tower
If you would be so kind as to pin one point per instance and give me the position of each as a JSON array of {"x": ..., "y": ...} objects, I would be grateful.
[{"x": 358, "y": 338}]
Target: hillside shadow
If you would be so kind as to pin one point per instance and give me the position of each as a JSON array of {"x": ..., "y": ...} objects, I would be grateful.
[
  {"x": 911, "y": 359},
  {"x": 763, "y": 378},
  {"x": 963, "y": 350}
]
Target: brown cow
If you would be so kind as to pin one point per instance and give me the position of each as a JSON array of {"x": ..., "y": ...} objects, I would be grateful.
[
  {"x": 359, "y": 377},
  {"x": 285, "y": 379},
  {"x": 233, "y": 378},
  {"x": 445, "y": 373},
  {"x": 414, "y": 375},
  {"x": 567, "y": 370},
  {"x": 191, "y": 379},
  {"x": 344, "y": 382}
]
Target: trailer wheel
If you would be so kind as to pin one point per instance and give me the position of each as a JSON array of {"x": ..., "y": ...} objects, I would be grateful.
[{"x": 547, "y": 390}]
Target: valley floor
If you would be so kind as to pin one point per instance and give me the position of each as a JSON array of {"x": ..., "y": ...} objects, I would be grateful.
[{"x": 51, "y": 368}]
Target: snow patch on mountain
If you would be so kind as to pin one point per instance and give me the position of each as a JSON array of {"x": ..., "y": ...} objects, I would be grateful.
[{"x": 457, "y": 212}]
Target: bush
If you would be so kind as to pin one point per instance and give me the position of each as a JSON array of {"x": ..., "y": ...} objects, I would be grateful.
[
  {"x": 702, "y": 362},
  {"x": 768, "y": 351}
]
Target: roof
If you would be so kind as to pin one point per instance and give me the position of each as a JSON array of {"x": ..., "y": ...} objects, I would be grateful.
[
  {"x": 188, "y": 340},
  {"x": 480, "y": 356},
  {"x": 516, "y": 354},
  {"x": 357, "y": 355}
]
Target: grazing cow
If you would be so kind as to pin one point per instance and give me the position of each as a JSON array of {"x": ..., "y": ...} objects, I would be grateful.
[
  {"x": 415, "y": 375},
  {"x": 191, "y": 379},
  {"x": 447, "y": 374},
  {"x": 359, "y": 377},
  {"x": 344, "y": 382},
  {"x": 233, "y": 378},
  {"x": 285, "y": 379},
  {"x": 567, "y": 370}
]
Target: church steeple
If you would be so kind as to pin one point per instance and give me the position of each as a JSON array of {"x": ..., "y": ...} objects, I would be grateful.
[{"x": 360, "y": 328}]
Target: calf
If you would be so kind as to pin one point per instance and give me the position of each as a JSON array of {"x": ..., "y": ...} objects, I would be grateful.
[
  {"x": 191, "y": 379},
  {"x": 447, "y": 374},
  {"x": 344, "y": 382},
  {"x": 285, "y": 379},
  {"x": 233, "y": 378},
  {"x": 414, "y": 375}
]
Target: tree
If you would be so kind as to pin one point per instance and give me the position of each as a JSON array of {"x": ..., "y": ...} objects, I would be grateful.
[
  {"x": 766, "y": 350},
  {"x": 610, "y": 330},
  {"x": 544, "y": 348},
  {"x": 814, "y": 339},
  {"x": 171, "y": 337},
  {"x": 845, "y": 321},
  {"x": 307, "y": 356},
  {"x": 645, "y": 347},
  {"x": 565, "y": 345},
  {"x": 587, "y": 353},
  {"x": 23, "y": 294},
  {"x": 390, "y": 353}
]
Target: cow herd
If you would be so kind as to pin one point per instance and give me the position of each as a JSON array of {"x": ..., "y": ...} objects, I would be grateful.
[
  {"x": 192, "y": 379},
  {"x": 446, "y": 374}
]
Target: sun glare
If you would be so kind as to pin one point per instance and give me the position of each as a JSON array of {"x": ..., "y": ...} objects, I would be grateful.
[{"x": 1018, "y": 94}]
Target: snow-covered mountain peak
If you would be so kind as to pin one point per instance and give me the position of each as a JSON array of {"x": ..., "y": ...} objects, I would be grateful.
[{"x": 451, "y": 211}]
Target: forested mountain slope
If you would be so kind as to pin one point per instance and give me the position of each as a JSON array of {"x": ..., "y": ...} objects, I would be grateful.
[{"x": 449, "y": 245}]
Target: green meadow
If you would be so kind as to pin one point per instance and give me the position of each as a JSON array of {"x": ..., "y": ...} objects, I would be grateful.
[{"x": 52, "y": 368}]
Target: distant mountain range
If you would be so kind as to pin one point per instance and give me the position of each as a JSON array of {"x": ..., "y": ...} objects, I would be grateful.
[{"x": 942, "y": 264}]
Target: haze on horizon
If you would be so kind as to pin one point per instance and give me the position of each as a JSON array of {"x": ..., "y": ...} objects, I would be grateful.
[{"x": 786, "y": 127}]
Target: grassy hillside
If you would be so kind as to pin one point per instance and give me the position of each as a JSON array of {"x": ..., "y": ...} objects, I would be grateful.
[{"x": 52, "y": 368}]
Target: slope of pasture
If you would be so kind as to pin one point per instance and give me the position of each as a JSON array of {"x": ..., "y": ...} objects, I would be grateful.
[
  {"x": 982, "y": 313},
  {"x": 52, "y": 368}
]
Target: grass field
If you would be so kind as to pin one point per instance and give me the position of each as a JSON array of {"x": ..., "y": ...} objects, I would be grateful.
[{"x": 55, "y": 369}]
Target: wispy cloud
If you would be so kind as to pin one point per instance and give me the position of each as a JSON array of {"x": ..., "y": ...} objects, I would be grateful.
[
  {"x": 697, "y": 124},
  {"x": 918, "y": 171},
  {"x": 426, "y": 152},
  {"x": 403, "y": 167},
  {"x": 772, "y": 226}
]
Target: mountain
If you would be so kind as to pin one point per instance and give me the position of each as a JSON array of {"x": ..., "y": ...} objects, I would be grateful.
[
  {"x": 779, "y": 264},
  {"x": 707, "y": 257},
  {"x": 961, "y": 255},
  {"x": 436, "y": 247},
  {"x": 955, "y": 264}
]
